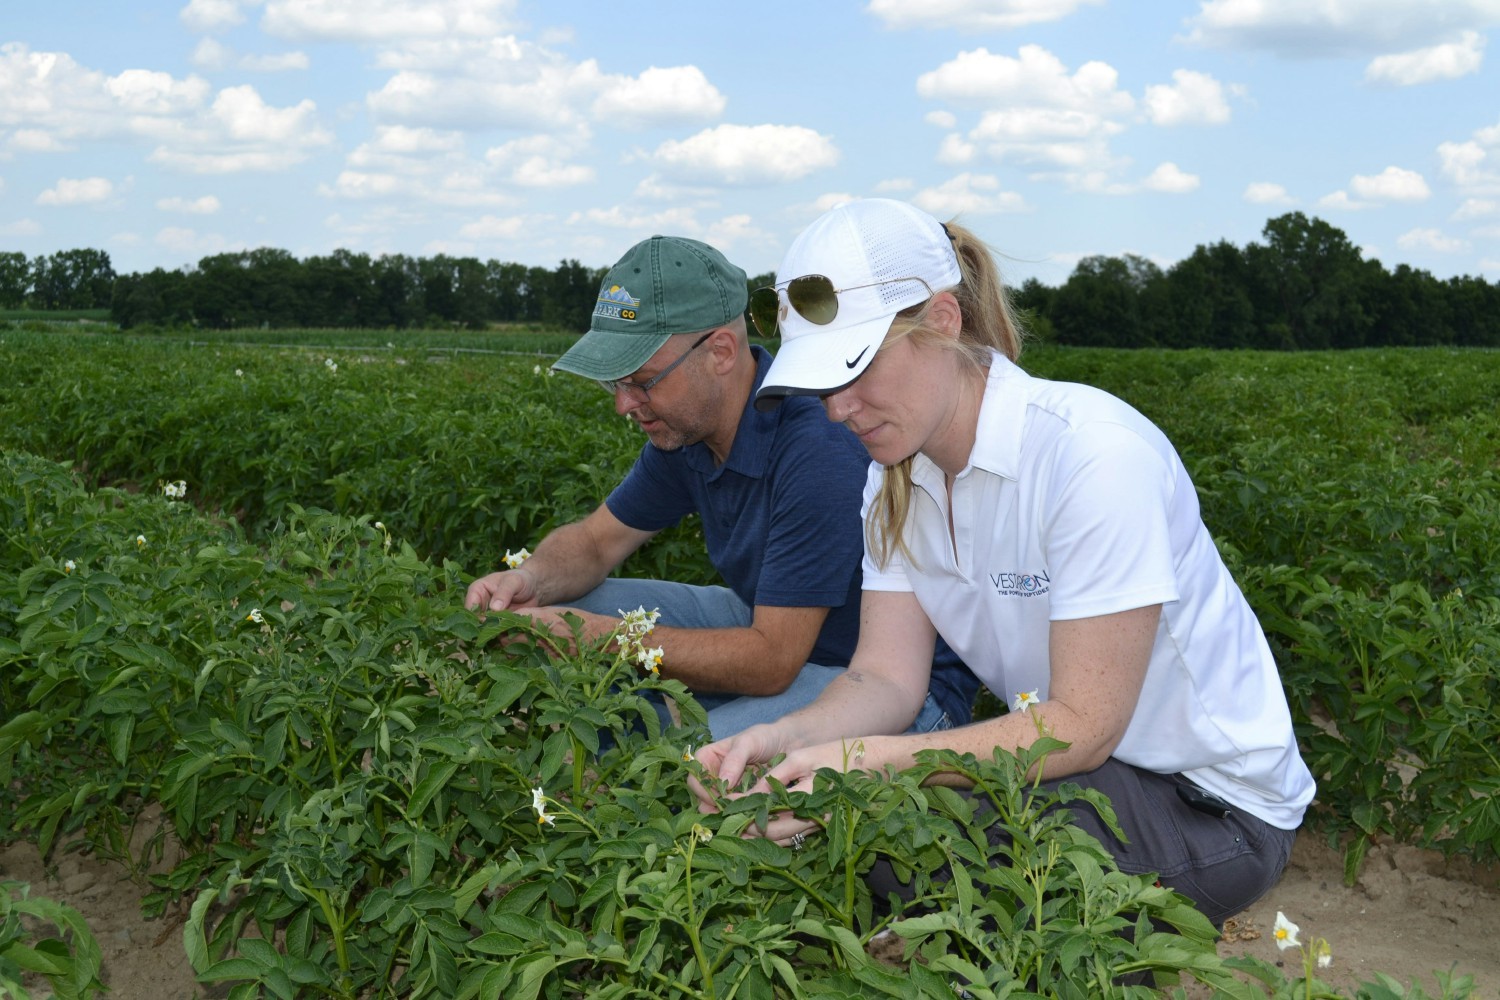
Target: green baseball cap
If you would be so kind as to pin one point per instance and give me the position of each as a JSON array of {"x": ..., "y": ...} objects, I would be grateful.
[{"x": 662, "y": 286}]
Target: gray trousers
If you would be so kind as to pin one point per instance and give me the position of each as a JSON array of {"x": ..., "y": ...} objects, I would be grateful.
[{"x": 1223, "y": 864}]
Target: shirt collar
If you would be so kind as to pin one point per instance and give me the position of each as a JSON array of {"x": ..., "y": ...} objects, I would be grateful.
[{"x": 997, "y": 435}]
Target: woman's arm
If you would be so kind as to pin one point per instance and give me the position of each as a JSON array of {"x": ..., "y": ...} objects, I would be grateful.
[
  {"x": 1097, "y": 667},
  {"x": 881, "y": 691}
]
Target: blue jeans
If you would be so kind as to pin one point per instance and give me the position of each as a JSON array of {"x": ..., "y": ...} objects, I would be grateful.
[{"x": 686, "y": 606}]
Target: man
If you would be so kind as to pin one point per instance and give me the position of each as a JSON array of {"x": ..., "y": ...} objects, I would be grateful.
[{"x": 778, "y": 493}]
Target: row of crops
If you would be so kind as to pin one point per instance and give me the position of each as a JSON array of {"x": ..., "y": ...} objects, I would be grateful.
[{"x": 371, "y": 796}]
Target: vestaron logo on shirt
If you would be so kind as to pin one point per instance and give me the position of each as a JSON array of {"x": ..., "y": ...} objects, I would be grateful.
[{"x": 1021, "y": 584}]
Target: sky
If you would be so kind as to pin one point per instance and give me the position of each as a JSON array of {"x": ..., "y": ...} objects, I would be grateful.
[{"x": 164, "y": 131}]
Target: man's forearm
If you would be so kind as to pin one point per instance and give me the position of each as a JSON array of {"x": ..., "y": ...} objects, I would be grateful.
[
  {"x": 566, "y": 565},
  {"x": 722, "y": 660}
]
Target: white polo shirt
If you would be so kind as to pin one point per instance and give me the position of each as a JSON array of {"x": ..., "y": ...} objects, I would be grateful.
[{"x": 1074, "y": 505}]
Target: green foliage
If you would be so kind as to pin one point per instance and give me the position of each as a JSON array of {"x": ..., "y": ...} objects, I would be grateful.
[
  {"x": 69, "y": 963},
  {"x": 353, "y": 768},
  {"x": 465, "y": 457},
  {"x": 351, "y": 775},
  {"x": 1306, "y": 287}
]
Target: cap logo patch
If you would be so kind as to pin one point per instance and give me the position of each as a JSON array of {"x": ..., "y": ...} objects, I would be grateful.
[{"x": 616, "y": 303}]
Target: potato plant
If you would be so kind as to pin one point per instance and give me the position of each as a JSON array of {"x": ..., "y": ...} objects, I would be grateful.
[
  {"x": 277, "y": 655},
  {"x": 376, "y": 793}
]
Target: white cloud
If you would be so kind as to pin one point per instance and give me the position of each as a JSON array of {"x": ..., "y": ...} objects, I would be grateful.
[
  {"x": 975, "y": 194},
  {"x": 1474, "y": 165},
  {"x": 211, "y": 55},
  {"x": 658, "y": 96},
  {"x": 33, "y": 140},
  {"x": 942, "y": 119},
  {"x": 1431, "y": 239},
  {"x": 1035, "y": 77},
  {"x": 894, "y": 185},
  {"x": 206, "y": 205},
  {"x": 396, "y": 146},
  {"x": 1391, "y": 184},
  {"x": 1436, "y": 62},
  {"x": 1464, "y": 163},
  {"x": 211, "y": 15},
  {"x": 494, "y": 227},
  {"x": 1168, "y": 178},
  {"x": 676, "y": 219},
  {"x": 247, "y": 118},
  {"x": 734, "y": 230},
  {"x": 956, "y": 151},
  {"x": 747, "y": 154},
  {"x": 971, "y": 15},
  {"x": 21, "y": 227},
  {"x": 1034, "y": 111},
  {"x": 1266, "y": 193},
  {"x": 459, "y": 184},
  {"x": 360, "y": 184},
  {"x": 543, "y": 160},
  {"x": 82, "y": 191},
  {"x": 146, "y": 92},
  {"x": 829, "y": 201},
  {"x": 1339, "y": 29},
  {"x": 50, "y": 95},
  {"x": 1475, "y": 208},
  {"x": 528, "y": 89},
  {"x": 1339, "y": 201},
  {"x": 242, "y": 132},
  {"x": 184, "y": 242},
  {"x": 1192, "y": 99},
  {"x": 384, "y": 20},
  {"x": 279, "y": 63},
  {"x": 541, "y": 172}
]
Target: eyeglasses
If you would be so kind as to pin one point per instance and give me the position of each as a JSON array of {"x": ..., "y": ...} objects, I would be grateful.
[
  {"x": 641, "y": 391},
  {"x": 812, "y": 296}
]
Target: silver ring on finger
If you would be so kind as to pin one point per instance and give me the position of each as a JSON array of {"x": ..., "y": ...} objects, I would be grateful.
[{"x": 798, "y": 839}]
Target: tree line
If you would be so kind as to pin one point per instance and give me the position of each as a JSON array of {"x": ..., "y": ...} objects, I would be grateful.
[{"x": 1304, "y": 286}]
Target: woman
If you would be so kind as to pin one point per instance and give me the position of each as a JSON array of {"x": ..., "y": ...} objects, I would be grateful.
[{"x": 1047, "y": 531}]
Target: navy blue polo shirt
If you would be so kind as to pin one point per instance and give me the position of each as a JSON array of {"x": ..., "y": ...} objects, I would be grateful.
[{"x": 780, "y": 519}]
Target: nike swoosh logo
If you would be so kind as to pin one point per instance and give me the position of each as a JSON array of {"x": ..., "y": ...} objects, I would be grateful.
[{"x": 851, "y": 364}]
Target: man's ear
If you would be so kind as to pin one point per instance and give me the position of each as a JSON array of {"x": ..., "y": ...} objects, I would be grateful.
[{"x": 725, "y": 346}]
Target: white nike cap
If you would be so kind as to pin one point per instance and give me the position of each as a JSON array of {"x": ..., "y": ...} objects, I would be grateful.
[{"x": 882, "y": 256}]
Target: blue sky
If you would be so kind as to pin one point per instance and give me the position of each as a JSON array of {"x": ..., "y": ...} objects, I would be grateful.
[{"x": 165, "y": 130}]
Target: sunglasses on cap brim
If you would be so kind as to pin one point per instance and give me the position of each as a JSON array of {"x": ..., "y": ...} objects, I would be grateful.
[{"x": 811, "y": 296}]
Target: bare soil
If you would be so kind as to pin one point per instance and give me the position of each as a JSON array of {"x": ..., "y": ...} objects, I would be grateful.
[{"x": 1410, "y": 913}]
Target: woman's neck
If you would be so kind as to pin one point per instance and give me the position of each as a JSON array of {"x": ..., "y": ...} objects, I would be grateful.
[{"x": 950, "y": 448}]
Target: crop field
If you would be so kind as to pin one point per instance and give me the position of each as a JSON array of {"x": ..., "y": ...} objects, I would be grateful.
[{"x": 231, "y": 581}]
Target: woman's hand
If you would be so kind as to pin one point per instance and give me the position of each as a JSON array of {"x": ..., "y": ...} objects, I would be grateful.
[{"x": 730, "y": 759}]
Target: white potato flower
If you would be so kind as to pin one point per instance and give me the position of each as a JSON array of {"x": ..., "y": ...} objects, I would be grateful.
[
  {"x": 539, "y": 803},
  {"x": 1285, "y": 932}
]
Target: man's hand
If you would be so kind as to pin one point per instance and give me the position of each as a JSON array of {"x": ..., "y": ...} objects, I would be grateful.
[
  {"x": 551, "y": 619},
  {"x": 507, "y": 590}
]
